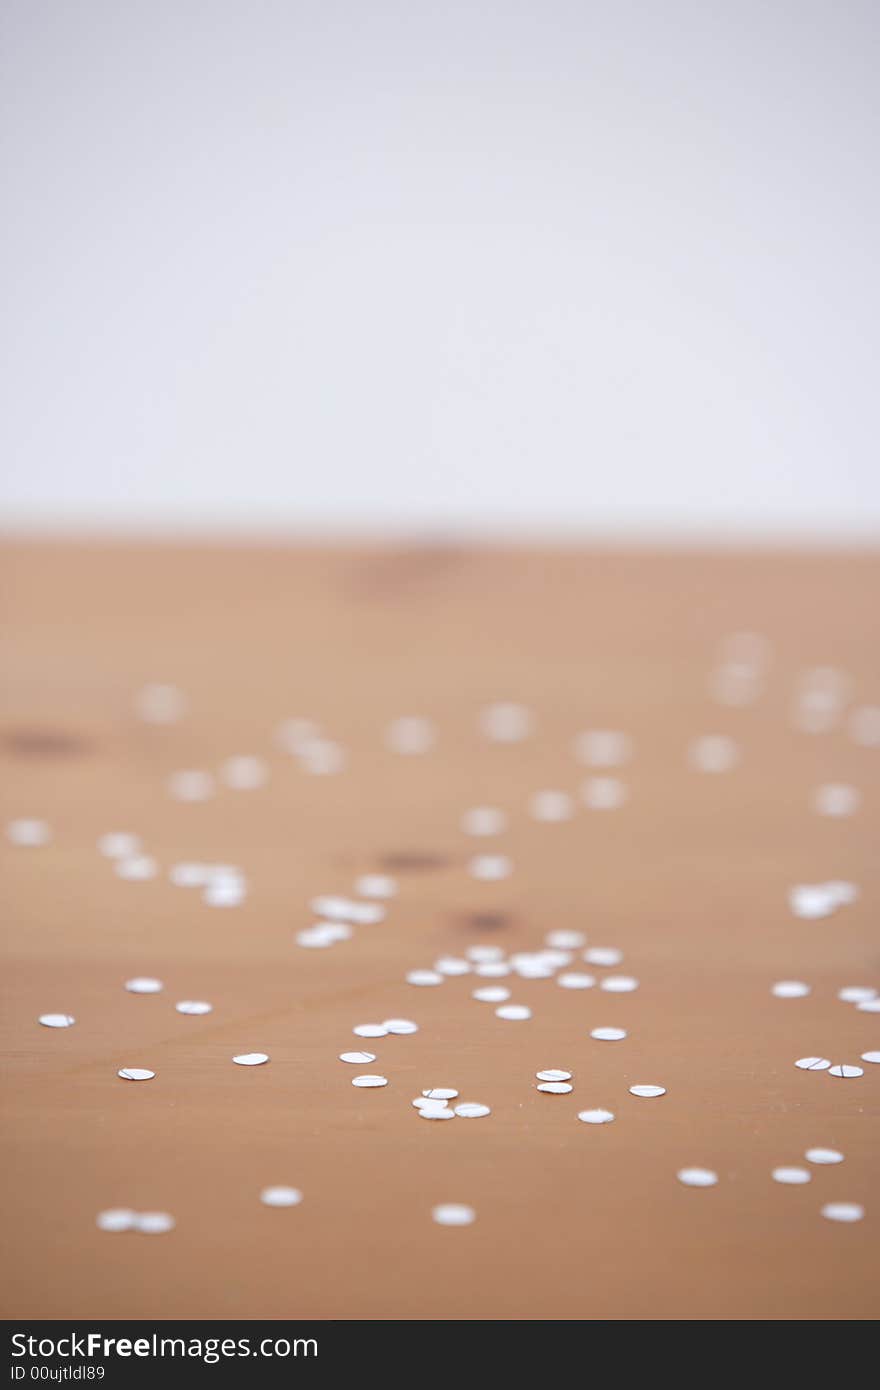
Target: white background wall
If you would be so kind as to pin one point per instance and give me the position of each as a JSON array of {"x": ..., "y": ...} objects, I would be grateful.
[{"x": 335, "y": 263}]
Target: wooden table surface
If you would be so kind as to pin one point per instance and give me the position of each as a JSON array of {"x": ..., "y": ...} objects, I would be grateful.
[{"x": 689, "y": 878}]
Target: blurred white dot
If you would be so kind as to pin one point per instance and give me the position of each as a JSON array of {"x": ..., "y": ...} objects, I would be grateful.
[
  {"x": 608, "y": 1034},
  {"x": 116, "y": 1219},
  {"x": 819, "y": 699},
  {"x": 813, "y": 1063},
  {"x": 138, "y": 869},
  {"x": 295, "y": 735},
  {"x": 251, "y": 1059},
  {"x": 28, "y": 834},
  {"x": 189, "y": 875},
  {"x": 596, "y": 1117},
  {"x": 869, "y": 1006},
  {"x": 506, "y": 723},
  {"x": 144, "y": 984},
  {"x": 602, "y": 748},
  {"x": 281, "y": 1196},
  {"x": 160, "y": 704},
  {"x": 565, "y": 940},
  {"x": 244, "y": 773},
  {"x": 452, "y": 965},
  {"x": 823, "y": 1156},
  {"x": 227, "y": 890},
  {"x": 843, "y": 1211},
  {"x": 370, "y": 1030},
  {"x": 790, "y": 989},
  {"x": 814, "y": 900},
  {"x": 321, "y": 757},
  {"x": 864, "y": 726},
  {"x": 322, "y": 935},
  {"x": 191, "y": 785},
  {"x": 793, "y": 1176},
  {"x": 514, "y": 1012},
  {"x": 472, "y": 1110},
  {"x": 575, "y": 979},
  {"x": 484, "y": 954},
  {"x": 154, "y": 1223},
  {"x": 647, "y": 1091},
  {"x": 484, "y": 820},
  {"x": 57, "y": 1020},
  {"x": 119, "y": 844},
  {"x": 136, "y": 1073},
  {"x": 871, "y": 1057},
  {"x": 603, "y": 955},
  {"x": 490, "y": 867},
  {"x": 194, "y": 1007},
  {"x": 453, "y": 1214},
  {"x": 410, "y": 734},
  {"x": 358, "y": 1059},
  {"x": 424, "y": 977},
  {"x": 697, "y": 1177},
  {"x": 619, "y": 984},
  {"x": 376, "y": 886},
  {"x": 856, "y": 994},
  {"x": 492, "y": 969},
  {"x": 713, "y": 753},
  {"x": 491, "y": 994},
  {"x": 836, "y": 799},
  {"x": 845, "y": 1069},
  {"x": 735, "y": 684},
  {"x": 603, "y": 793},
  {"x": 552, "y": 806}
]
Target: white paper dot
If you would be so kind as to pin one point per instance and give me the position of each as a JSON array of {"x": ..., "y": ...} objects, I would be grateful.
[
  {"x": 28, "y": 834},
  {"x": 489, "y": 868},
  {"x": 845, "y": 1069},
  {"x": 608, "y": 1034},
  {"x": 619, "y": 984},
  {"x": 793, "y": 1176},
  {"x": 575, "y": 979},
  {"x": 713, "y": 753},
  {"x": 144, "y": 984},
  {"x": 436, "y": 1112},
  {"x": 565, "y": 940},
  {"x": 244, "y": 773},
  {"x": 813, "y": 1063},
  {"x": 452, "y": 966},
  {"x": 140, "y": 868},
  {"x": 836, "y": 799},
  {"x": 154, "y": 1223},
  {"x": 596, "y": 1117},
  {"x": 697, "y": 1177},
  {"x": 136, "y": 1073},
  {"x": 505, "y": 722},
  {"x": 57, "y": 1020},
  {"x": 602, "y": 747},
  {"x": 484, "y": 954},
  {"x": 647, "y": 1091},
  {"x": 555, "y": 1088},
  {"x": 116, "y": 1219},
  {"x": 189, "y": 875},
  {"x": 453, "y": 1214},
  {"x": 472, "y": 1110},
  {"x": 514, "y": 1012},
  {"x": 869, "y": 1006},
  {"x": 376, "y": 886},
  {"x": 119, "y": 844},
  {"x": 856, "y": 994},
  {"x": 160, "y": 704},
  {"x": 484, "y": 820},
  {"x": 871, "y": 1056},
  {"x": 358, "y": 1059},
  {"x": 603, "y": 793},
  {"x": 410, "y": 735},
  {"x": 194, "y": 1007},
  {"x": 492, "y": 969},
  {"x": 823, "y": 1156},
  {"x": 551, "y": 806},
  {"x": 369, "y": 1082},
  {"x": 400, "y": 1026},
  {"x": 370, "y": 1030},
  {"x": 491, "y": 994},
  {"x": 281, "y": 1196},
  {"x": 424, "y": 978},
  {"x": 251, "y": 1059},
  {"x": 843, "y": 1211},
  {"x": 439, "y": 1093},
  {"x": 553, "y": 1074},
  {"x": 603, "y": 955},
  {"x": 191, "y": 785},
  {"x": 790, "y": 989}
]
